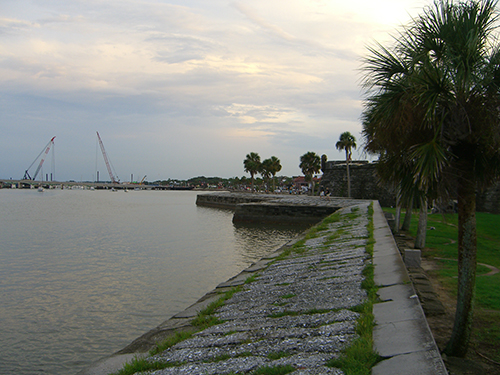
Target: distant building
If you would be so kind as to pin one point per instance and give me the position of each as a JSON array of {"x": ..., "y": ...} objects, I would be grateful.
[{"x": 300, "y": 182}]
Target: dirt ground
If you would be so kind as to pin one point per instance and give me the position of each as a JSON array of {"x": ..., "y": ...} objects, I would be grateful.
[{"x": 439, "y": 308}]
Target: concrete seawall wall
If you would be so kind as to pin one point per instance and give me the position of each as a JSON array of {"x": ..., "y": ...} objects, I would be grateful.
[
  {"x": 227, "y": 200},
  {"x": 280, "y": 214},
  {"x": 274, "y": 209}
]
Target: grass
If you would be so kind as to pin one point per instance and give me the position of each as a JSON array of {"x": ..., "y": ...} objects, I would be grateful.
[
  {"x": 277, "y": 355},
  {"x": 274, "y": 370},
  {"x": 206, "y": 317},
  {"x": 142, "y": 364},
  {"x": 441, "y": 245},
  {"x": 171, "y": 341},
  {"x": 251, "y": 279},
  {"x": 441, "y": 242},
  {"x": 296, "y": 313},
  {"x": 226, "y": 356}
]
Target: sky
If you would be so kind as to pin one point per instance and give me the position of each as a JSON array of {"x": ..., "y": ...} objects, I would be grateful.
[{"x": 179, "y": 89}]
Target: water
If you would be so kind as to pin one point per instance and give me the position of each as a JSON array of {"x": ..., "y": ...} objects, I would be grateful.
[{"x": 83, "y": 273}]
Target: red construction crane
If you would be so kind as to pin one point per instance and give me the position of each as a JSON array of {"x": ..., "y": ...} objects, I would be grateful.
[
  {"x": 46, "y": 149},
  {"x": 114, "y": 179}
]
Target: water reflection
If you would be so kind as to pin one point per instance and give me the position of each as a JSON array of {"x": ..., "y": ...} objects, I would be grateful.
[
  {"x": 84, "y": 273},
  {"x": 253, "y": 239}
]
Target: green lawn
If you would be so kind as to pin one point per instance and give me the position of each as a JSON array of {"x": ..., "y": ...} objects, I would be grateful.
[{"x": 441, "y": 244}]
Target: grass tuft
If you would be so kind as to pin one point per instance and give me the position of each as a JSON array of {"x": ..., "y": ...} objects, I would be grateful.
[
  {"x": 142, "y": 364},
  {"x": 277, "y": 355},
  {"x": 274, "y": 370},
  {"x": 205, "y": 317},
  {"x": 170, "y": 341}
]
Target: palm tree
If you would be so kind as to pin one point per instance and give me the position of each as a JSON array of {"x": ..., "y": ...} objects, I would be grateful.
[
  {"x": 434, "y": 97},
  {"x": 265, "y": 171},
  {"x": 324, "y": 159},
  {"x": 272, "y": 166},
  {"x": 310, "y": 163},
  {"x": 252, "y": 165},
  {"x": 347, "y": 142}
]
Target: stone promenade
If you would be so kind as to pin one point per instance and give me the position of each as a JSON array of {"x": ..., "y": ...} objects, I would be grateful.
[{"x": 296, "y": 309}]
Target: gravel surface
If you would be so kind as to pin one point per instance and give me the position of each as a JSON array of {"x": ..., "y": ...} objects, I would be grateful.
[{"x": 296, "y": 312}]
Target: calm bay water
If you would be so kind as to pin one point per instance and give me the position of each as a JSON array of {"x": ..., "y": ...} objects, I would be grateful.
[{"x": 83, "y": 273}]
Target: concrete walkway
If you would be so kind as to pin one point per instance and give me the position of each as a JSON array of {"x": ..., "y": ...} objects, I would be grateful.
[
  {"x": 402, "y": 334},
  {"x": 299, "y": 311}
]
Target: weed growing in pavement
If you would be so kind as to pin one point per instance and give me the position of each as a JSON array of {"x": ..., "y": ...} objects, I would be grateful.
[
  {"x": 225, "y": 356},
  {"x": 170, "y": 341},
  {"x": 252, "y": 278},
  {"x": 296, "y": 313},
  {"x": 274, "y": 370},
  {"x": 142, "y": 364},
  {"x": 205, "y": 317},
  {"x": 277, "y": 355}
]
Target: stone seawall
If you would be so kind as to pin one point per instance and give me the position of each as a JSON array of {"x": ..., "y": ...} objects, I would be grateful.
[
  {"x": 275, "y": 213},
  {"x": 228, "y": 200},
  {"x": 294, "y": 308},
  {"x": 274, "y": 209}
]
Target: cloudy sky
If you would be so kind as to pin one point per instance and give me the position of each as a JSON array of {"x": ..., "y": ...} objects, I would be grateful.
[{"x": 179, "y": 89}]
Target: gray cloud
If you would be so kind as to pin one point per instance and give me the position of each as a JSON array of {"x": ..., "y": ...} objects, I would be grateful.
[{"x": 179, "y": 89}]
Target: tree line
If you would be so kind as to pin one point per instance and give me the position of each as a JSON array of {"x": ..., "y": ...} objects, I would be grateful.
[{"x": 310, "y": 163}]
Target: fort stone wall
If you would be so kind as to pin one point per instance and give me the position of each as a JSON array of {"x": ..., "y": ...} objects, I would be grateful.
[
  {"x": 365, "y": 185},
  {"x": 364, "y": 182}
]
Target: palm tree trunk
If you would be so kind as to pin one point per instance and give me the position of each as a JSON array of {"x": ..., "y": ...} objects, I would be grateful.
[
  {"x": 397, "y": 218},
  {"x": 407, "y": 220},
  {"x": 467, "y": 252},
  {"x": 422, "y": 225}
]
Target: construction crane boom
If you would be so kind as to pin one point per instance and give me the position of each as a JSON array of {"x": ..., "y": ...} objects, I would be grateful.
[
  {"x": 114, "y": 179},
  {"x": 46, "y": 149}
]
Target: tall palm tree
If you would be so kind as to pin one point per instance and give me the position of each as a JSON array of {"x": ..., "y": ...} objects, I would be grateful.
[
  {"x": 347, "y": 142},
  {"x": 310, "y": 163},
  {"x": 272, "y": 166},
  {"x": 435, "y": 94},
  {"x": 252, "y": 165}
]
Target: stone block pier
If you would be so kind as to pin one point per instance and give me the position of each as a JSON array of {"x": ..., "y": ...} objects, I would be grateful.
[
  {"x": 297, "y": 307},
  {"x": 275, "y": 209}
]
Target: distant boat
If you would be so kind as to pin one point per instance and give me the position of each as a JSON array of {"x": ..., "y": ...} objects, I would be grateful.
[{"x": 40, "y": 189}]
